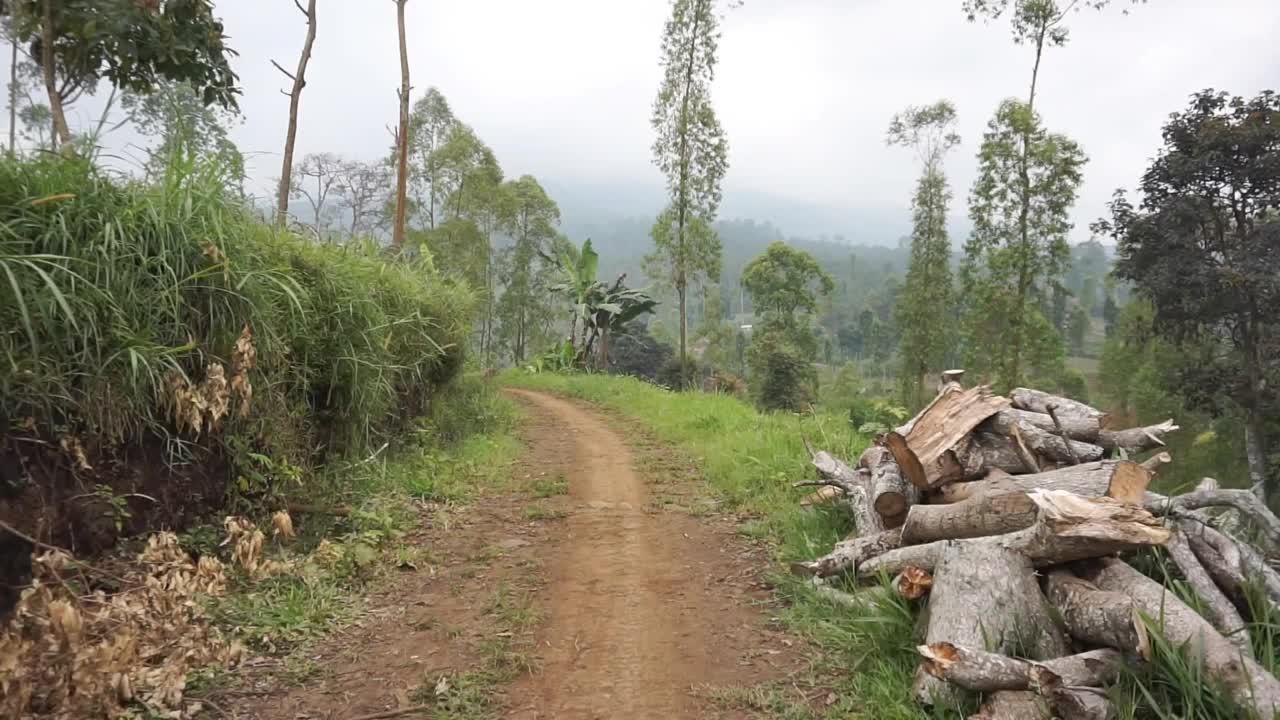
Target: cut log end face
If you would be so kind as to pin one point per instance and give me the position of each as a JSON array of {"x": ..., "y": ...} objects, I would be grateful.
[{"x": 914, "y": 583}]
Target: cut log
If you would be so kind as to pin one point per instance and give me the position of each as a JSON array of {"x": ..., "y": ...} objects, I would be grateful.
[
  {"x": 985, "y": 595},
  {"x": 927, "y": 455},
  {"x": 984, "y": 671},
  {"x": 983, "y": 453},
  {"x": 1077, "y": 427},
  {"x": 1218, "y": 610},
  {"x": 1013, "y": 705},
  {"x": 1244, "y": 560},
  {"x": 1157, "y": 461},
  {"x": 856, "y": 490},
  {"x": 1068, "y": 527},
  {"x": 1094, "y": 616},
  {"x": 1225, "y": 572},
  {"x": 943, "y": 390},
  {"x": 911, "y": 584},
  {"x": 891, "y": 494},
  {"x": 1249, "y": 684},
  {"x": 848, "y": 554},
  {"x": 1082, "y": 703},
  {"x": 1039, "y": 401},
  {"x": 988, "y": 514},
  {"x": 1136, "y": 440},
  {"x": 1042, "y": 441},
  {"x": 974, "y": 669},
  {"x": 1243, "y": 501},
  {"x": 823, "y": 495},
  {"x": 1120, "y": 479}
]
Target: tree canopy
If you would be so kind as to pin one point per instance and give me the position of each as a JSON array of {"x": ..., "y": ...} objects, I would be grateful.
[{"x": 1203, "y": 246}]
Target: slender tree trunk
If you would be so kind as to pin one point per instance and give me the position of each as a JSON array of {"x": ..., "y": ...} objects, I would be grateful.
[
  {"x": 291, "y": 135},
  {"x": 61, "y": 131},
  {"x": 402, "y": 137},
  {"x": 1016, "y": 344},
  {"x": 682, "y": 197},
  {"x": 1255, "y": 442},
  {"x": 682, "y": 291},
  {"x": 13, "y": 96}
]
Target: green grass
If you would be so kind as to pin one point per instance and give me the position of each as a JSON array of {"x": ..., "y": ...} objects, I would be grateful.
[
  {"x": 538, "y": 512},
  {"x": 113, "y": 291},
  {"x": 545, "y": 487}
]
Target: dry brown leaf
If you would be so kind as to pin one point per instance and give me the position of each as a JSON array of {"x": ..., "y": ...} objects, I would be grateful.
[
  {"x": 283, "y": 525},
  {"x": 71, "y": 445}
]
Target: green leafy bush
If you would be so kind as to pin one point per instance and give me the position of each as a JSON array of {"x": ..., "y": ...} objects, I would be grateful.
[
  {"x": 115, "y": 295},
  {"x": 781, "y": 377}
]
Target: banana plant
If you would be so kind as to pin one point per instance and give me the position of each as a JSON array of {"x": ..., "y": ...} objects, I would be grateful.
[
  {"x": 579, "y": 269},
  {"x": 599, "y": 309}
]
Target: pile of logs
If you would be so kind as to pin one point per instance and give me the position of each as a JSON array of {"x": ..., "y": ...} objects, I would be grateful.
[{"x": 1012, "y": 515}]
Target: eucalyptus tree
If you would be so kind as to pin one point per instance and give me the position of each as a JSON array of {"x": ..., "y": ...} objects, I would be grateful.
[
  {"x": 299, "y": 80},
  {"x": 1020, "y": 205},
  {"x": 691, "y": 151},
  {"x": 925, "y": 318}
]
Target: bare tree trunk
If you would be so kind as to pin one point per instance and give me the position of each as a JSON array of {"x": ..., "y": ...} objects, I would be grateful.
[
  {"x": 291, "y": 135},
  {"x": 13, "y": 96},
  {"x": 402, "y": 137},
  {"x": 61, "y": 131}
]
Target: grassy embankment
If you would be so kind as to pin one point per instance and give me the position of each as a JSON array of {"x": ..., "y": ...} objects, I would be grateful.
[
  {"x": 166, "y": 357},
  {"x": 867, "y": 657}
]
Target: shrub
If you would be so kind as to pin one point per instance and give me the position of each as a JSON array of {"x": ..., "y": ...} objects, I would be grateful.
[
  {"x": 637, "y": 353},
  {"x": 781, "y": 377},
  {"x": 725, "y": 383},
  {"x": 680, "y": 375},
  {"x": 116, "y": 297}
]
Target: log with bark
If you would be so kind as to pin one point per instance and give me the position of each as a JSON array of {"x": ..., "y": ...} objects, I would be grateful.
[
  {"x": 1218, "y": 609},
  {"x": 984, "y": 671},
  {"x": 1042, "y": 441},
  {"x": 1076, "y": 427},
  {"x": 848, "y": 554},
  {"x": 1243, "y": 501},
  {"x": 891, "y": 493},
  {"x": 985, "y": 595},
  {"x": 1013, "y": 705},
  {"x": 1096, "y": 617},
  {"x": 1039, "y": 401},
  {"x": 1249, "y": 684},
  {"x": 1119, "y": 479},
  {"x": 1082, "y": 703},
  {"x": 986, "y": 514},
  {"x": 856, "y": 490},
  {"x": 1068, "y": 527},
  {"x": 926, "y": 454},
  {"x": 1136, "y": 440}
]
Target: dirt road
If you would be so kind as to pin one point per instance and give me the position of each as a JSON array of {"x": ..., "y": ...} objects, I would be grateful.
[
  {"x": 651, "y": 603},
  {"x": 637, "y": 617}
]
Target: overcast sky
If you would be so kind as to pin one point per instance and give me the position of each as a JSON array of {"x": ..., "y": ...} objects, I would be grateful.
[{"x": 561, "y": 89}]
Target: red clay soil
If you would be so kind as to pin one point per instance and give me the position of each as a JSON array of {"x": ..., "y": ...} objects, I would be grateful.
[{"x": 646, "y": 608}]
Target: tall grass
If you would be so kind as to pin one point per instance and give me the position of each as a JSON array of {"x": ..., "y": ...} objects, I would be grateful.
[{"x": 107, "y": 286}]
